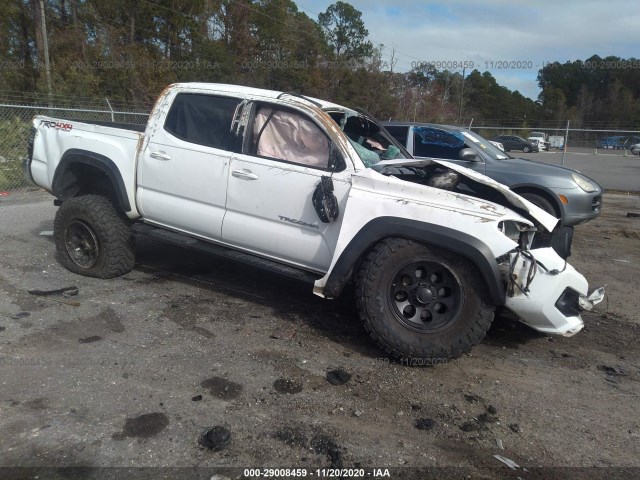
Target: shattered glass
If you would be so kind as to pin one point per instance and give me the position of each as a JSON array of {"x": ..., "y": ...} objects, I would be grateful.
[{"x": 435, "y": 136}]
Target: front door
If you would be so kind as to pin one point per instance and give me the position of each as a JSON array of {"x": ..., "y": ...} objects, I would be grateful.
[{"x": 269, "y": 198}]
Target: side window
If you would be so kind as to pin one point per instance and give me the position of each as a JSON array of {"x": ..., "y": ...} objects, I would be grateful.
[
  {"x": 202, "y": 119},
  {"x": 399, "y": 133},
  {"x": 432, "y": 142},
  {"x": 289, "y": 136}
]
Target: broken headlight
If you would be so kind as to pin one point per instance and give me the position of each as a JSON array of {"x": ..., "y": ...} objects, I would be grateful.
[{"x": 519, "y": 232}]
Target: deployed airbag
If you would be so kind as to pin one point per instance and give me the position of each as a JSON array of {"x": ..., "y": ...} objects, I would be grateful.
[{"x": 289, "y": 136}]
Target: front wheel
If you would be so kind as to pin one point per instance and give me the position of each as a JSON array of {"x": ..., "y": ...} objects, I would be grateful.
[
  {"x": 540, "y": 201},
  {"x": 92, "y": 238},
  {"x": 421, "y": 302},
  {"x": 526, "y": 149}
]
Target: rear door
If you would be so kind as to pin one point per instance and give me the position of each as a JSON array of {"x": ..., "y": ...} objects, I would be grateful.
[
  {"x": 184, "y": 168},
  {"x": 269, "y": 199}
]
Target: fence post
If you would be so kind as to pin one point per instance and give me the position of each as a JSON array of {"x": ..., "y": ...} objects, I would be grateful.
[
  {"x": 566, "y": 140},
  {"x": 112, "y": 119}
]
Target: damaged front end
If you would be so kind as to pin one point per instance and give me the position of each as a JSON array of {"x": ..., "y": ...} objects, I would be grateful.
[
  {"x": 545, "y": 291},
  {"x": 542, "y": 289},
  {"x": 530, "y": 249}
]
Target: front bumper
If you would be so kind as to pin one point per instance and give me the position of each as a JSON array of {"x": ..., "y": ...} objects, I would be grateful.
[
  {"x": 581, "y": 206},
  {"x": 552, "y": 300}
]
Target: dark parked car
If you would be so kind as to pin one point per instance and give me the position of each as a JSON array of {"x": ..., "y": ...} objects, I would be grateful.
[
  {"x": 563, "y": 192},
  {"x": 513, "y": 142},
  {"x": 619, "y": 142}
]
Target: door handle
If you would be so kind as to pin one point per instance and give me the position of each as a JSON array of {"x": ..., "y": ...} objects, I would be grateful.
[
  {"x": 244, "y": 174},
  {"x": 160, "y": 155}
]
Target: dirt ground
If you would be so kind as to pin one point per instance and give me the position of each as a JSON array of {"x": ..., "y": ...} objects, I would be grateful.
[{"x": 132, "y": 371}]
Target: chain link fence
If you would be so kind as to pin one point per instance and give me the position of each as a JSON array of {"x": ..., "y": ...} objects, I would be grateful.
[
  {"x": 15, "y": 126},
  {"x": 577, "y": 140}
]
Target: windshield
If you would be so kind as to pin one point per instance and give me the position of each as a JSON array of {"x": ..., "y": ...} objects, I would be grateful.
[
  {"x": 487, "y": 147},
  {"x": 371, "y": 143}
]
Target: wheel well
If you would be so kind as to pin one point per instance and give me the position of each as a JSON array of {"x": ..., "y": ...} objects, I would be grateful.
[
  {"x": 433, "y": 236},
  {"x": 433, "y": 246},
  {"x": 81, "y": 179},
  {"x": 80, "y": 173},
  {"x": 550, "y": 198}
]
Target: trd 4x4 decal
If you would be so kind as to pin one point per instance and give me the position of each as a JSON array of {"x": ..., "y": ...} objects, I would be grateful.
[{"x": 65, "y": 127}]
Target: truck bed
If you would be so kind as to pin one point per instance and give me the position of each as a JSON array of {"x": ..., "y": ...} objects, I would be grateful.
[{"x": 117, "y": 142}]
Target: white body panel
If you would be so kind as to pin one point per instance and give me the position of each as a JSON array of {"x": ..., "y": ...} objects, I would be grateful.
[
  {"x": 51, "y": 143},
  {"x": 535, "y": 309},
  {"x": 181, "y": 185},
  {"x": 374, "y": 195},
  {"x": 266, "y": 198}
]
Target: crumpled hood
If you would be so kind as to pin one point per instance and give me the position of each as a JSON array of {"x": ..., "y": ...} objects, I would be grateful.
[{"x": 547, "y": 221}]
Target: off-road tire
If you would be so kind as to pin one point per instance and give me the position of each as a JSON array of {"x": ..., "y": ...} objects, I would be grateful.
[
  {"x": 103, "y": 224},
  {"x": 375, "y": 303}
]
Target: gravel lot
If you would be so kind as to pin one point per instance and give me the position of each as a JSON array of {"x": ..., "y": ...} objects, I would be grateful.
[{"x": 132, "y": 371}]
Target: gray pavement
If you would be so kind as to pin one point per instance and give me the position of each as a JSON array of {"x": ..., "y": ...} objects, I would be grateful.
[{"x": 613, "y": 171}]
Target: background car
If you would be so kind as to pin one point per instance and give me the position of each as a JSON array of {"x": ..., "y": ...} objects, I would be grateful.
[
  {"x": 561, "y": 191},
  {"x": 635, "y": 149},
  {"x": 497, "y": 144},
  {"x": 513, "y": 142},
  {"x": 619, "y": 142}
]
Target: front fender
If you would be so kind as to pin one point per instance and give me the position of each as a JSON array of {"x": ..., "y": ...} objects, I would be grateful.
[
  {"x": 384, "y": 206},
  {"x": 377, "y": 229}
]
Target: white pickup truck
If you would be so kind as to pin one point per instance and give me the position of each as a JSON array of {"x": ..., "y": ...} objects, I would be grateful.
[
  {"x": 541, "y": 139},
  {"x": 318, "y": 191}
]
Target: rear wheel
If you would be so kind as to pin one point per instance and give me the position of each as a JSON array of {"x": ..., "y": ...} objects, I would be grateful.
[
  {"x": 419, "y": 302},
  {"x": 92, "y": 238}
]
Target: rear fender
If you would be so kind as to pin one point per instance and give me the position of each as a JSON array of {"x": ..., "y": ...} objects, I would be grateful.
[{"x": 63, "y": 180}]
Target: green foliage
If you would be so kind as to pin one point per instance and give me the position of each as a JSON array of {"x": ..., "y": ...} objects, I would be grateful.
[
  {"x": 129, "y": 50},
  {"x": 13, "y": 134},
  {"x": 596, "y": 89},
  {"x": 345, "y": 32}
]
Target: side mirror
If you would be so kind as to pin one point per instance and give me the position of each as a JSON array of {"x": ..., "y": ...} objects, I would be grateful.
[
  {"x": 324, "y": 201},
  {"x": 468, "y": 155}
]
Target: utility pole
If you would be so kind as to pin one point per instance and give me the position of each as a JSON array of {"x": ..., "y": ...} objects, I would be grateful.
[
  {"x": 45, "y": 42},
  {"x": 464, "y": 69}
]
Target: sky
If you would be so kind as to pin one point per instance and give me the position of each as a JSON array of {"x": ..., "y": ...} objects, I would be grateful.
[{"x": 510, "y": 39}]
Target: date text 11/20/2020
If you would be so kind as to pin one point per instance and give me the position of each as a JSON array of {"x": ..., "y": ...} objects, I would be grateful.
[{"x": 319, "y": 472}]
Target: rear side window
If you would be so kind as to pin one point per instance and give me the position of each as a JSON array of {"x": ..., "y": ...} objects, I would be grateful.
[
  {"x": 435, "y": 143},
  {"x": 202, "y": 119}
]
